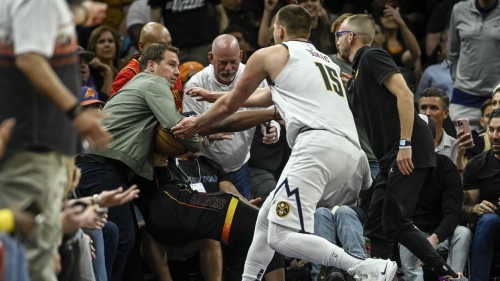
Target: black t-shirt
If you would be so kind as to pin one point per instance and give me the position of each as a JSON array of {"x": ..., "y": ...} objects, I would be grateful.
[
  {"x": 439, "y": 206},
  {"x": 377, "y": 107},
  {"x": 267, "y": 156},
  {"x": 190, "y": 23},
  {"x": 211, "y": 172},
  {"x": 483, "y": 172}
]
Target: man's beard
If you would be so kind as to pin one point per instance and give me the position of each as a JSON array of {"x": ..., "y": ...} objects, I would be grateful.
[
  {"x": 227, "y": 78},
  {"x": 495, "y": 150}
]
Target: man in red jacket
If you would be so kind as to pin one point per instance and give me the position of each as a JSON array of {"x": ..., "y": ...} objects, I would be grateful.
[{"x": 152, "y": 32}]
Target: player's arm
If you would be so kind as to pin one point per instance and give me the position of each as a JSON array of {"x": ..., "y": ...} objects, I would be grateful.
[
  {"x": 241, "y": 121},
  {"x": 228, "y": 104},
  {"x": 396, "y": 84},
  {"x": 260, "y": 98},
  {"x": 161, "y": 102},
  {"x": 228, "y": 187}
]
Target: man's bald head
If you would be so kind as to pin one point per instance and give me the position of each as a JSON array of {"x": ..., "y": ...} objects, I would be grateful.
[
  {"x": 363, "y": 26},
  {"x": 225, "y": 57},
  {"x": 225, "y": 43},
  {"x": 153, "y": 32}
]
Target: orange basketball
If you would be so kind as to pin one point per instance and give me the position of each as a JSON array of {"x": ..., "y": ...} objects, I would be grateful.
[{"x": 165, "y": 143}]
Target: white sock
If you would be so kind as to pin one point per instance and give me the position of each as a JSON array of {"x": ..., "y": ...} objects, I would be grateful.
[
  {"x": 309, "y": 247},
  {"x": 253, "y": 271}
]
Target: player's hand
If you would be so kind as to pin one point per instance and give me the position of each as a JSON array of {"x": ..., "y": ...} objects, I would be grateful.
[
  {"x": 160, "y": 160},
  {"x": 270, "y": 136},
  {"x": 345, "y": 79},
  {"x": 87, "y": 124},
  {"x": 255, "y": 201},
  {"x": 391, "y": 13},
  {"x": 269, "y": 5},
  {"x": 405, "y": 165},
  {"x": 203, "y": 94},
  {"x": 221, "y": 136},
  {"x": 6, "y": 129},
  {"x": 186, "y": 128},
  {"x": 110, "y": 198},
  {"x": 483, "y": 208}
]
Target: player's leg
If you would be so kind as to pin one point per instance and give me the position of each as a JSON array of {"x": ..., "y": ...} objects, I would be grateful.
[
  {"x": 259, "y": 254},
  {"x": 400, "y": 200},
  {"x": 318, "y": 159}
]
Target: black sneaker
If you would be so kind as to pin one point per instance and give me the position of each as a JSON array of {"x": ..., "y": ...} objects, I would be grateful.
[
  {"x": 461, "y": 277},
  {"x": 333, "y": 274}
]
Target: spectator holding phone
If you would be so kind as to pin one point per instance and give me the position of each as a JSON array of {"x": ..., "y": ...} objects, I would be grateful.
[
  {"x": 470, "y": 145},
  {"x": 481, "y": 182}
]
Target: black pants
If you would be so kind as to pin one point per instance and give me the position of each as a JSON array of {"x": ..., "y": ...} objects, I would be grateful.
[
  {"x": 389, "y": 217},
  {"x": 177, "y": 216}
]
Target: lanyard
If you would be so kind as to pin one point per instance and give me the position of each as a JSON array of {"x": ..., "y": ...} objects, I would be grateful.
[{"x": 179, "y": 166}]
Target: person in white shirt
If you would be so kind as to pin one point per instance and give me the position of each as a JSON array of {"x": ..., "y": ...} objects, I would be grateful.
[
  {"x": 222, "y": 75},
  {"x": 435, "y": 104}
]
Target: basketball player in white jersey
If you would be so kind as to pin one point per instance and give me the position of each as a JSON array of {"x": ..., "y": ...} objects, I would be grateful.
[{"x": 306, "y": 87}]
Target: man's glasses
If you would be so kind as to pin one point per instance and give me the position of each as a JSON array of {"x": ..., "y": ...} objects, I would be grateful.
[{"x": 340, "y": 33}]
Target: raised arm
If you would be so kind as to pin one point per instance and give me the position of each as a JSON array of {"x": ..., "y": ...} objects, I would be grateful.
[
  {"x": 411, "y": 56},
  {"x": 265, "y": 28}
]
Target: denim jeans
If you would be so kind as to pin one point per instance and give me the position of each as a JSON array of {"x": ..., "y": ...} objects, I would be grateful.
[
  {"x": 483, "y": 245},
  {"x": 14, "y": 259},
  {"x": 241, "y": 180},
  {"x": 97, "y": 177},
  {"x": 374, "y": 168},
  {"x": 345, "y": 226},
  {"x": 457, "y": 245},
  {"x": 105, "y": 242}
]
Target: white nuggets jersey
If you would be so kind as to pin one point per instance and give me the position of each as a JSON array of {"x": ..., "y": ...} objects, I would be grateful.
[{"x": 309, "y": 94}]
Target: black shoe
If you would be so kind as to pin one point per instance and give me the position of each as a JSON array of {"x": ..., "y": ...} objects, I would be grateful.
[
  {"x": 347, "y": 276},
  {"x": 334, "y": 274}
]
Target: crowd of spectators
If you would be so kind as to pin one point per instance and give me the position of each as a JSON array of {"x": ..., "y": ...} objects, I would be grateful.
[{"x": 88, "y": 221}]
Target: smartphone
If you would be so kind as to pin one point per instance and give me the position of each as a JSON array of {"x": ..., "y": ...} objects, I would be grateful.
[{"x": 463, "y": 125}]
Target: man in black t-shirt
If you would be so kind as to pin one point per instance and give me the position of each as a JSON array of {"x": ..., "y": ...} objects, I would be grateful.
[
  {"x": 481, "y": 180},
  {"x": 400, "y": 140},
  {"x": 192, "y": 24}
]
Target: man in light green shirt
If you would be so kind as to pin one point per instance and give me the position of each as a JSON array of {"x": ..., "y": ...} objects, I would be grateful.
[{"x": 135, "y": 112}]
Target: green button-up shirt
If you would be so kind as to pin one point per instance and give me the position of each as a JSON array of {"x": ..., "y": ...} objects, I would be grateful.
[{"x": 135, "y": 112}]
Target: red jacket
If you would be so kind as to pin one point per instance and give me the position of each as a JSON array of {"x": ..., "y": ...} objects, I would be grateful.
[{"x": 131, "y": 69}]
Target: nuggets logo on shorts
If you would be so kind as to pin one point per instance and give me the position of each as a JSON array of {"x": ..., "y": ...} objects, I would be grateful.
[{"x": 282, "y": 209}]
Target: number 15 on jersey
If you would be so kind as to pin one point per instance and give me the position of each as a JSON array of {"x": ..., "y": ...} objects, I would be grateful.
[{"x": 333, "y": 83}]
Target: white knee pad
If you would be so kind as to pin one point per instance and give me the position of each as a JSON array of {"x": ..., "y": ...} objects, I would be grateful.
[{"x": 278, "y": 238}]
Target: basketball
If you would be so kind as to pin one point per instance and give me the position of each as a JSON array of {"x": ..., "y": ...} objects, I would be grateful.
[{"x": 165, "y": 143}]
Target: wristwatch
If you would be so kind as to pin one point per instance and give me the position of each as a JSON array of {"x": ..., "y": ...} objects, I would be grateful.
[{"x": 403, "y": 143}]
